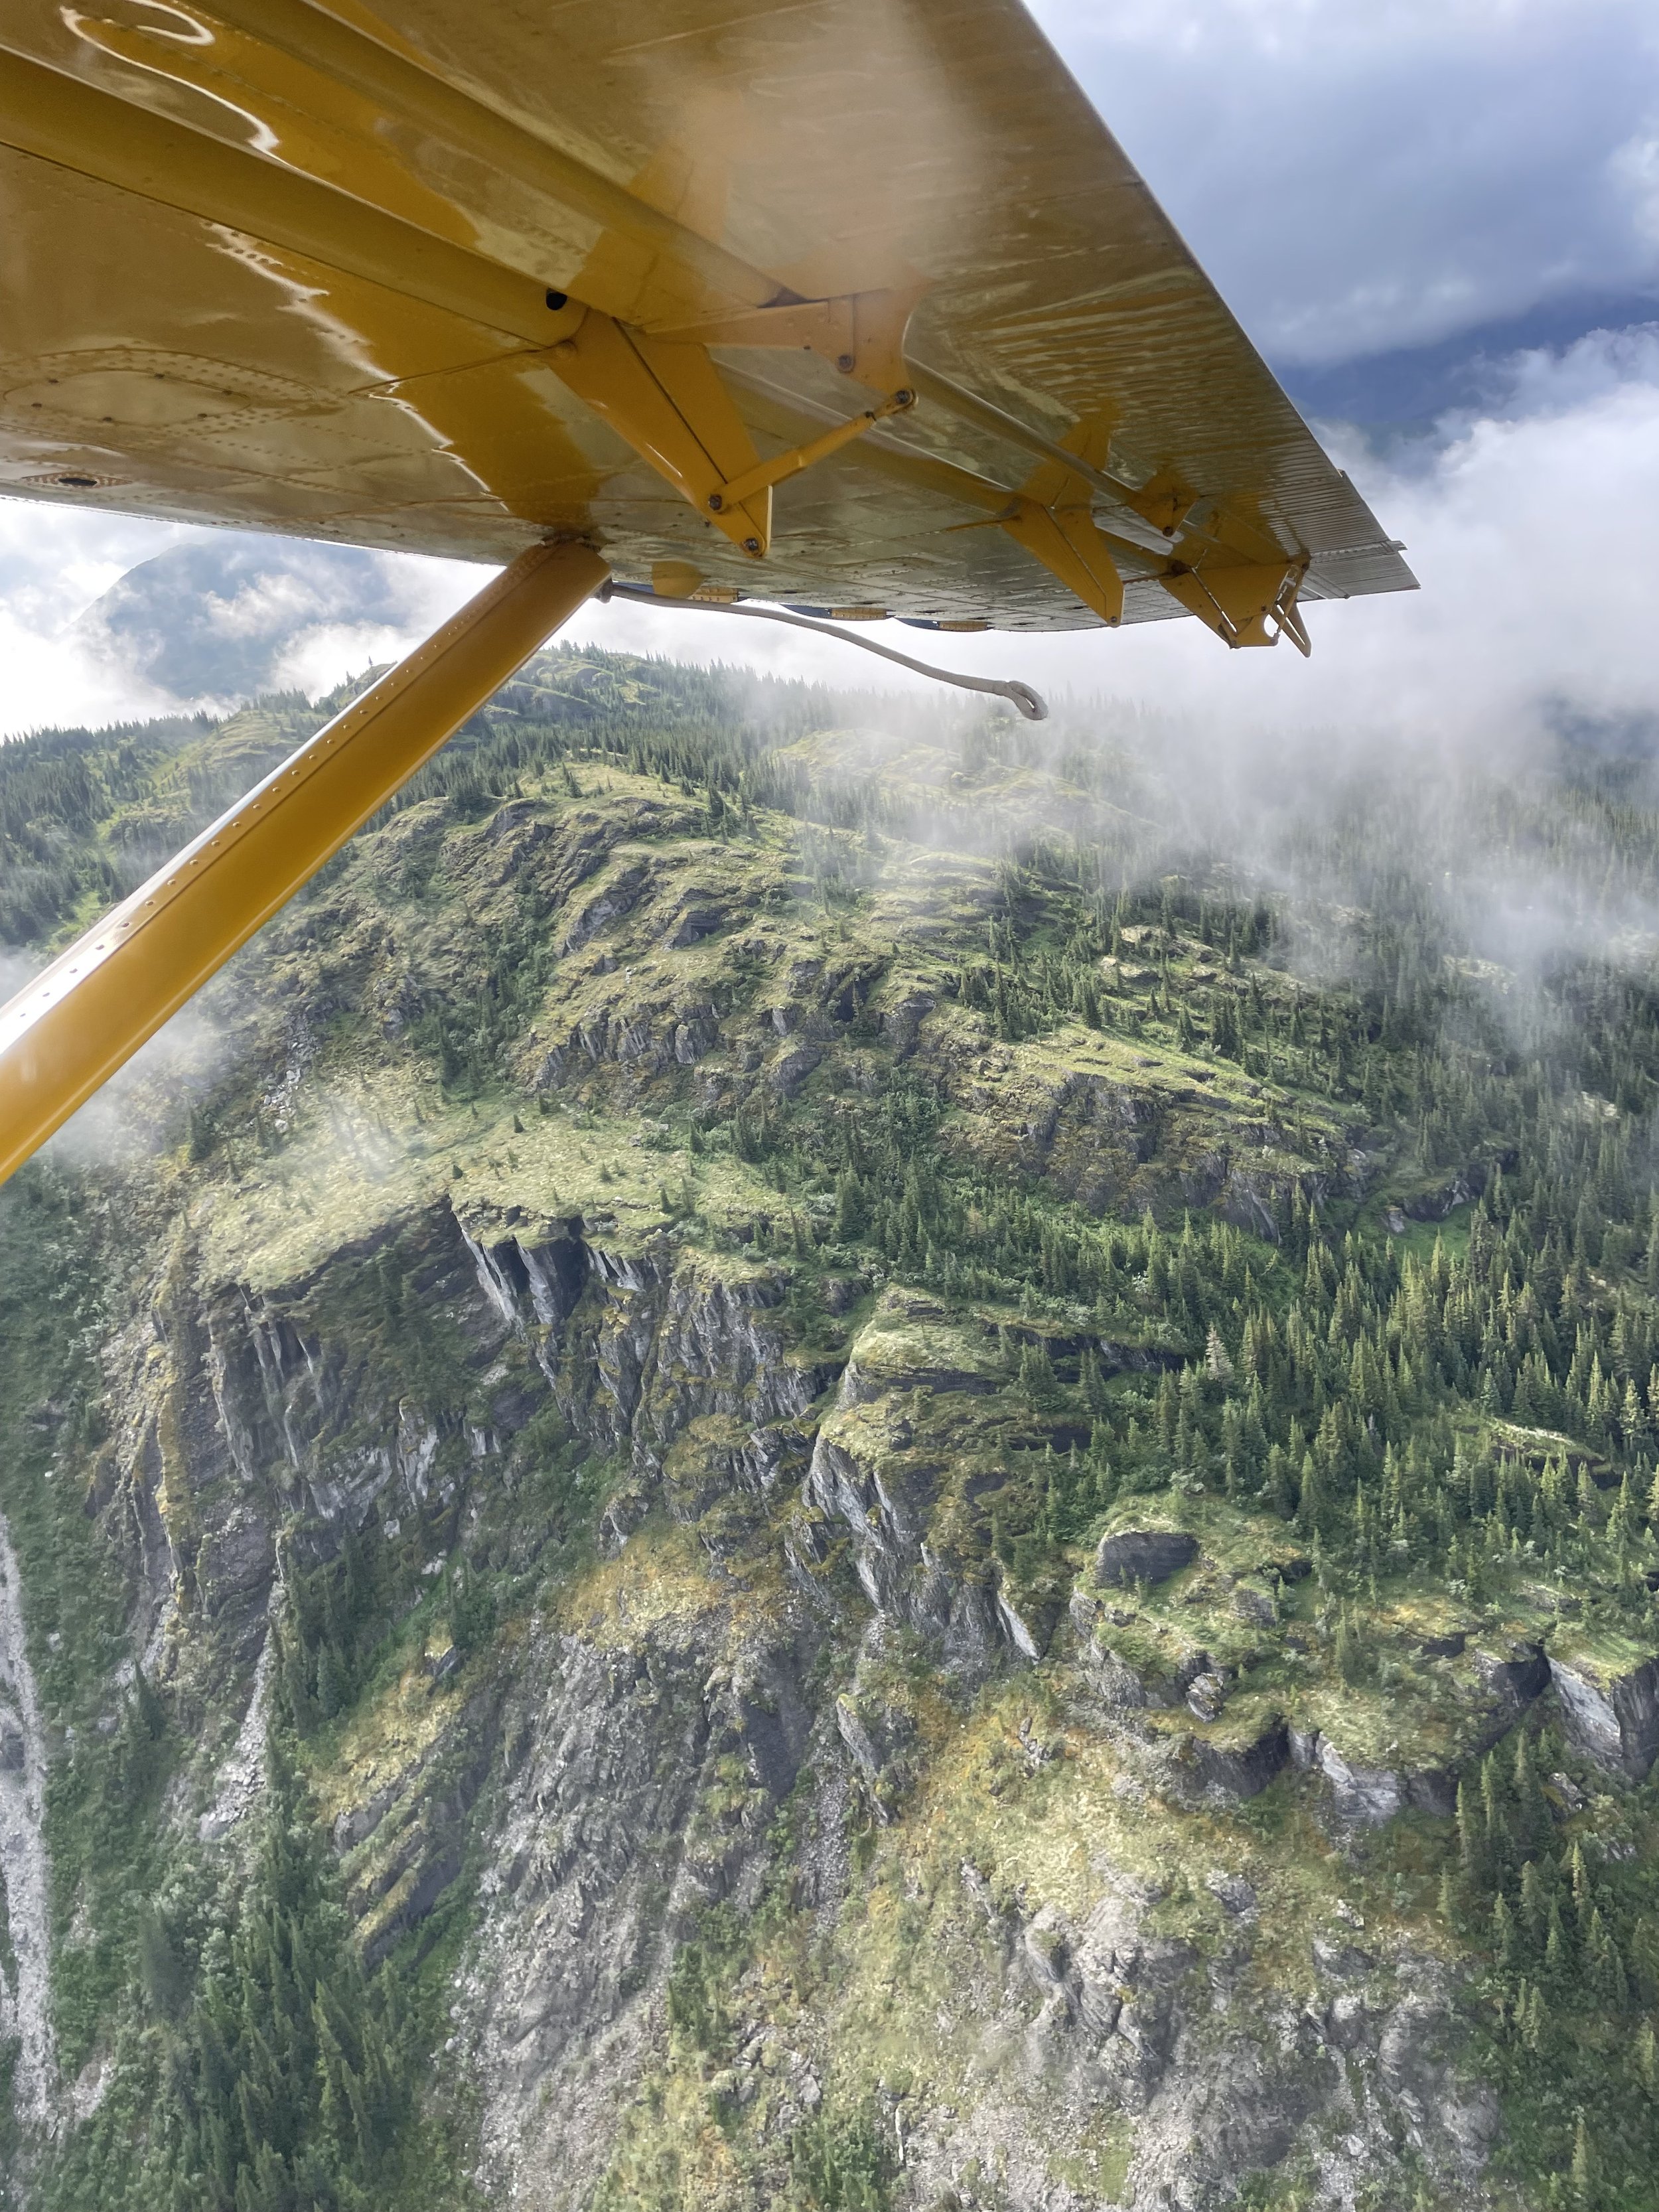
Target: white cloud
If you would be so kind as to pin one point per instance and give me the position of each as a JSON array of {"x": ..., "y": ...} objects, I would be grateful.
[
  {"x": 54, "y": 562},
  {"x": 45, "y": 682},
  {"x": 57, "y": 668},
  {"x": 1553, "y": 385},
  {"x": 1356, "y": 178},
  {"x": 269, "y": 607},
  {"x": 1634, "y": 169},
  {"x": 322, "y": 655}
]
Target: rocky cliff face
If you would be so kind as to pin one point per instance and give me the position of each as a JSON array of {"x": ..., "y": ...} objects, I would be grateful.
[
  {"x": 621, "y": 1495},
  {"x": 25, "y": 1984},
  {"x": 782, "y": 1646}
]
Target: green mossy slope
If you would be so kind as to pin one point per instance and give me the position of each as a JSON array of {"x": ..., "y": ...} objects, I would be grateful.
[{"x": 697, "y": 1179}]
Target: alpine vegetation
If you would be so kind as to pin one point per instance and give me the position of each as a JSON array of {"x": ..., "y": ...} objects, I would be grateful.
[{"x": 810, "y": 1460}]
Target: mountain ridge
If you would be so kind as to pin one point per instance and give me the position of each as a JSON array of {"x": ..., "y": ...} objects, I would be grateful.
[{"x": 782, "y": 1473}]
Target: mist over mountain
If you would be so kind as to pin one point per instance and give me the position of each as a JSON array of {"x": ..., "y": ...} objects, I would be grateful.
[
  {"x": 827, "y": 1454},
  {"x": 233, "y": 614},
  {"x": 815, "y": 1453}
]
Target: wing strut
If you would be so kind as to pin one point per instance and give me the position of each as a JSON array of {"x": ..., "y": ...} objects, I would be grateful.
[{"x": 69, "y": 1030}]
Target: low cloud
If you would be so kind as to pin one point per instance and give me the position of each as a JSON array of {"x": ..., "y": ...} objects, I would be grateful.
[
  {"x": 106, "y": 618},
  {"x": 1529, "y": 528},
  {"x": 1357, "y": 178},
  {"x": 226, "y": 616}
]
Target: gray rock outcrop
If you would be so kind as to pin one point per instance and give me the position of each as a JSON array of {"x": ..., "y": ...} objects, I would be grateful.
[
  {"x": 1143, "y": 1555},
  {"x": 1614, "y": 1720}
]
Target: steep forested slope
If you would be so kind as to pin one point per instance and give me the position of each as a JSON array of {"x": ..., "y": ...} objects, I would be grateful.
[{"x": 785, "y": 1464}]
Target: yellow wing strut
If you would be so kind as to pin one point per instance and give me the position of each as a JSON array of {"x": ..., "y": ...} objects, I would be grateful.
[{"x": 74, "y": 1025}]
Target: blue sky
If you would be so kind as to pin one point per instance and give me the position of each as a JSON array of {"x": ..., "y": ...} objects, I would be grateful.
[{"x": 1441, "y": 223}]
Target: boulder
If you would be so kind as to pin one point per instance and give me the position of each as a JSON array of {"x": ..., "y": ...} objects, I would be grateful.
[
  {"x": 1206, "y": 1693},
  {"x": 790, "y": 1066},
  {"x": 1254, "y": 1602},
  {"x": 1368, "y": 1796},
  {"x": 1615, "y": 1719},
  {"x": 1232, "y": 1893},
  {"x": 1143, "y": 1555},
  {"x": 1243, "y": 1769}
]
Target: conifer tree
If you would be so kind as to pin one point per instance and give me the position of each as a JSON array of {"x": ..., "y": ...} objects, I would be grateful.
[
  {"x": 1584, "y": 2166},
  {"x": 1503, "y": 1931},
  {"x": 1536, "y": 2026},
  {"x": 1450, "y": 1914},
  {"x": 1583, "y": 1893},
  {"x": 1535, "y": 1907},
  {"x": 1472, "y": 1850},
  {"x": 1558, "y": 1956}
]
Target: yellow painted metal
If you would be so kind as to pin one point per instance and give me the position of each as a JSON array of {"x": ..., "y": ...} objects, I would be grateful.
[
  {"x": 667, "y": 399},
  {"x": 799, "y": 458},
  {"x": 286, "y": 265},
  {"x": 676, "y": 580},
  {"x": 80, "y": 127},
  {"x": 1066, "y": 541},
  {"x": 1008, "y": 430},
  {"x": 74, "y": 1025},
  {"x": 656, "y": 263},
  {"x": 1238, "y": 603},
  {"x": 860, "y": 335},
  {"x": 1290, "y": 624}
]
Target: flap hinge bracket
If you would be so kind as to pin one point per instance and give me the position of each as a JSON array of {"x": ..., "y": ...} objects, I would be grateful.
[
  {"x": 1252, "y": 603},
  {"x": 860, "y": 334}
]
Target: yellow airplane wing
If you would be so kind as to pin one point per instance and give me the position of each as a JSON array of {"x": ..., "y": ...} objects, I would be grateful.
[
  {"x": 851, "y": 304},
  {"x": 854, "y": 304}
]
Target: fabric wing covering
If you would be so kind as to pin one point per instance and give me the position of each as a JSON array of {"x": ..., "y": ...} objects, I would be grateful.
[{"x": 852, "y": 306}]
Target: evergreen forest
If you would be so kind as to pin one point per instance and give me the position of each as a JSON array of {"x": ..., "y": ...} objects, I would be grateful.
[{"x": 1285, "y": 1185}]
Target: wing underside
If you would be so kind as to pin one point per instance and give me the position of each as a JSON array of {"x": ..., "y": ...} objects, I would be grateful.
[{"x": 854, "y": 305}]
